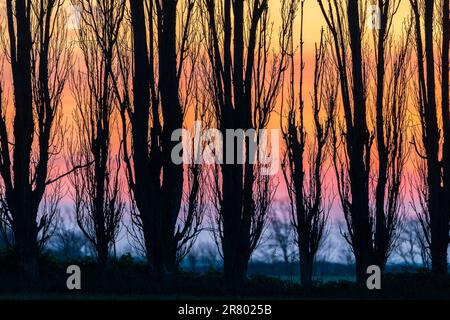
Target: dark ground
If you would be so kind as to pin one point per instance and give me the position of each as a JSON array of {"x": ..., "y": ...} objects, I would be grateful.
[{"x": 128, "y": 279}]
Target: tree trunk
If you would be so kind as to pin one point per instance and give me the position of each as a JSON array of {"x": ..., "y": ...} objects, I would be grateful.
[
  {"x": 25, "y": 234},
  {"x": 102, "y": 254},
  {"x": 158, "y": 187},
  {"x": 234, "y": 244},
  {"x": 172, "y": 185},
  {"x": 235, "y": 265},
  {"x": 20, "y": 198},
  {"x": 357, "y": 153},
  {"x": 306, "y": 269},
  {"x": 381, "y": 231},
  {"x": 446, "y": 126},
  {"x": 438, "y": 218}
]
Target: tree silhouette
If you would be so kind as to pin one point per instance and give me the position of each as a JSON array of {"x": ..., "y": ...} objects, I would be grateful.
[
  {"x": 69, "y": 242},
  {"x": 306, "y": 190},
  {"x": 280, "y": 244},
  {"x": 371, "y": 231},
  {"x": 412, "y": 245},
  {"x": 434, "y": 146},
  {"x": 40, "y": 59},
  {"x": 358, "y": 140},
  {"x": 151, "y": 107},
  {"x": 391, "y": 98},
  {"x": 243, "y": 79},
  {"x": 97, "y": 191}
]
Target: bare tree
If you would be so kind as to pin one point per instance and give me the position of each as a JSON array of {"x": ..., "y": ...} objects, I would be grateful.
[
  {"x": 243, "y": 80},
  {"x": 163, "y": 38},
  {"x": 391, "y": 99},
  {"x": 40, "y": 59},
  {"x": 309, "y": 210},
  {"x": 280, "y": 244},
  {"x": 353, "y": 176},
  {"x": 412, "y": 246},
  {"x": 97, "y": 191},
  {"x": 419, "y": 193},
  {"x": 434, "y": 147},
  {"x": 371, "y": 231},
  {"x": 68, "y": 242},
  {"x": 204, "y": 256}
]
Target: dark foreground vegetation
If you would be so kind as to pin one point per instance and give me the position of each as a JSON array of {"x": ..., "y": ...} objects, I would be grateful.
[{"x": 125, "y": 279}]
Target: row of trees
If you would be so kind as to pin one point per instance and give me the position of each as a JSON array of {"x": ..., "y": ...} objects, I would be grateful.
[
  {"x": 139, "y": 69},
  {"x": 372, "y": 231}
]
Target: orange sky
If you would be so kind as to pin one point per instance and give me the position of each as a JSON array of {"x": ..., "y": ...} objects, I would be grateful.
[{"x": 313, "y": 22}]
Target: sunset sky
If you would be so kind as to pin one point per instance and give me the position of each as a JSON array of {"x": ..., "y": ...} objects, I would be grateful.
[{"x": 313, "y": 22}]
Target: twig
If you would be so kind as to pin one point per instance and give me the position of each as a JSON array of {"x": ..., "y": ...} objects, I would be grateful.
[
  {"x": 417, "y": 150},
  {"x": 69, "y": 172}
]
